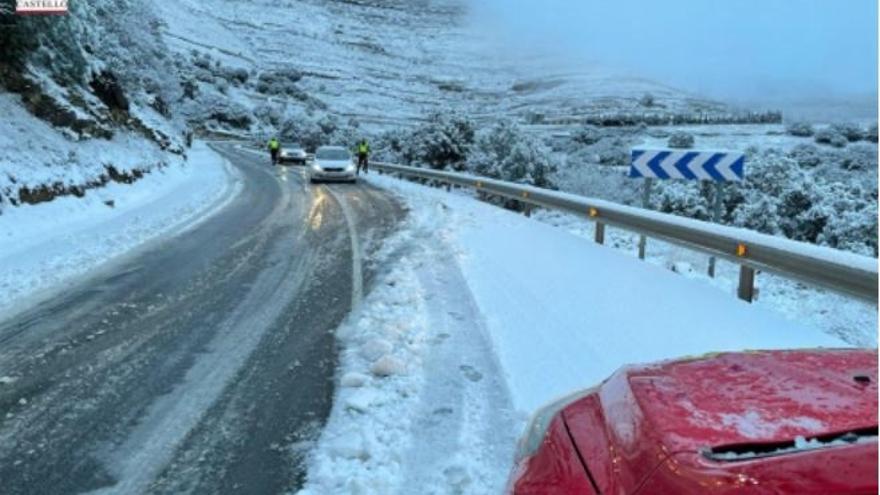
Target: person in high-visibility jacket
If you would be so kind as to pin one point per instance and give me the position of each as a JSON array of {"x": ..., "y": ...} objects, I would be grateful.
[
  {"x": 363, "y": 154},
  {"x": 274, "y": 149}
]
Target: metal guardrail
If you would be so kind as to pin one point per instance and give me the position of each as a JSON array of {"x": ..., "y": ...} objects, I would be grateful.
[{"x": 843, "y": 272}]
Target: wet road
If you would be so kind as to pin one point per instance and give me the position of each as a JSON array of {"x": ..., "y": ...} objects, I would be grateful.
[{"x": 203, "y": 364}]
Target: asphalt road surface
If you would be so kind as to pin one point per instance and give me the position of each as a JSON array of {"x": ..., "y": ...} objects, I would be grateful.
[{"x": 202, "y": 364}]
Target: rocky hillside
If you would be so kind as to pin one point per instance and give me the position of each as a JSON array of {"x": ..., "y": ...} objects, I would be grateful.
[
  {"x": 87, "y": 99},
  {"x": 385, "y": 63}
]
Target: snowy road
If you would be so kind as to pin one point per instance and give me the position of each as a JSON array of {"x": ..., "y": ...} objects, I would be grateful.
[{"x": 197, "y": 364}]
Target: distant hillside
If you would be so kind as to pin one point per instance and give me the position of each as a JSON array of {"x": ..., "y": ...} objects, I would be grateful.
[{"x": 388, "y": 63}]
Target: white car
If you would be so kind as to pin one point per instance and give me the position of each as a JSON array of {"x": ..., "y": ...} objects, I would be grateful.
[
  {"x": 332, "y": 163},
  {"x": 294, "y": 155}
]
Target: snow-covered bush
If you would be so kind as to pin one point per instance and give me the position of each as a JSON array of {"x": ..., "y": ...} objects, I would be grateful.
[
  {"x": 506, "y": 152},
  {"x": 443, "y": 141},
  {"x": 806, "y": 155},
  {"x": 681, "y": 140},
  {"x": 831, "y": 137},
  {"x": 800, "y": 129},
  {"x": 859, "y": 157},
  {"x": 852, "y": 132},
  {"x": 871, "y": 134},
  {"x": 759, "y": 214},
  {"x": 647, "y": 100},
  {"x": 234, "y": 75},
  {"x": 683, "y": 198},
  {"x": 780, "y": 197},
  {"x": 853, "y": 227},
  {"x": 269, "y": 114},
  {"x": 613, "y": 154},
  {"x": 587, "y": 135},
  {"x": 281, "y": 82}
]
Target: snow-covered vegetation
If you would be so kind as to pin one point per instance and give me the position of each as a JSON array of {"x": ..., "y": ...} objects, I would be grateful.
[
  {"x": 101, "y": 79},
  {"x": 794, "y": 188},
  {"x": 820, "y": 194},
  {"x": 146, "y": 71}
]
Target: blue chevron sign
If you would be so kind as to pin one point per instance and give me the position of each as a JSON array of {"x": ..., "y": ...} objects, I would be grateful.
[{"x": 688, "y": 165}]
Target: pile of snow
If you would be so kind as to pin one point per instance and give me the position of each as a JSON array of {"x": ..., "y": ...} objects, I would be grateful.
[
  {"x": 46, "y": 245},
  {"x": 485, "y": 317},
  {"x": 421, "y": 406}
]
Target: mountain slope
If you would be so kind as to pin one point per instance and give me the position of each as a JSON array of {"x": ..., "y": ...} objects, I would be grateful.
[{"x": 388, "y": 62}]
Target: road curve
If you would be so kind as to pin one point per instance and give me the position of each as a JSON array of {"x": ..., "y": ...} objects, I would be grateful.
[{"x": 202, "y": 364}]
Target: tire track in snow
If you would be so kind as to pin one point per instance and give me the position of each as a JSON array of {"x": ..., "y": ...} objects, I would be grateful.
[{"x": 357, "y": 274}]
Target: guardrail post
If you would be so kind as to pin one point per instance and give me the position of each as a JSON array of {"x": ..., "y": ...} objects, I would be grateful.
[
  {"x": 600, "y": 233},
  {"x": 448, "y": 186},
  {"x": 746, "y": 289},
  {"x": 716, "y": 217},
  {"x": 527, "y": 210}
]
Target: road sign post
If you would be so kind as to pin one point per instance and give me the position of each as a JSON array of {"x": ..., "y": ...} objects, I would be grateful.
[
  {"x": 716, "y": 218},
  {"x": 719, "y": 167},
  {"x": 646, "y": 204}
]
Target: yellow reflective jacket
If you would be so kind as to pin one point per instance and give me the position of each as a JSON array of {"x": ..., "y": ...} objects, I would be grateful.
[{"x": 274, "y": 144}]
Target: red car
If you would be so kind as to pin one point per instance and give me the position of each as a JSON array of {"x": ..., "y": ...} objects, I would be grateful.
[{"x": 797, "y": 422}]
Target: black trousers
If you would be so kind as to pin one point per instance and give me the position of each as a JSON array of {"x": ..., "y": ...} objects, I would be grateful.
[
  {"x": 274, "y": 154},
  {"x": 363, "y": 162}
]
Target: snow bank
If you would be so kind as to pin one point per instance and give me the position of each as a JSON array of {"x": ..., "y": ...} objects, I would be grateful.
[
  {"x": 564, "y": 313},
  {"x": 45, "y": 246},
  {"x": 486, "y": 316},
  {"x": 420, "y": 407}
]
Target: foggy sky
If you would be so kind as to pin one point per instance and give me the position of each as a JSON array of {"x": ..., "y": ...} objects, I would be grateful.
[{"x": 733, "y": 49}]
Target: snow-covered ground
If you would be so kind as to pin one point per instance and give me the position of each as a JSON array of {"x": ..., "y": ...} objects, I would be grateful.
[
  {"x": 485, "y": 316},
  {"x": 850, "y": 319},
  {"x": 44, "y": 247}
]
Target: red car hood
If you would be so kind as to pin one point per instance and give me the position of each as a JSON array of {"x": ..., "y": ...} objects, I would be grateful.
[{"x": 675, "y": 412}]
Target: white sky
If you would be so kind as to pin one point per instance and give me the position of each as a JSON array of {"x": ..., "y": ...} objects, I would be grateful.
[{"x": 734, "y": 49}]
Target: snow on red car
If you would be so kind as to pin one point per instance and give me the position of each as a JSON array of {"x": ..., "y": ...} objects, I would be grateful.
[{"x": 799, "y": 422}]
